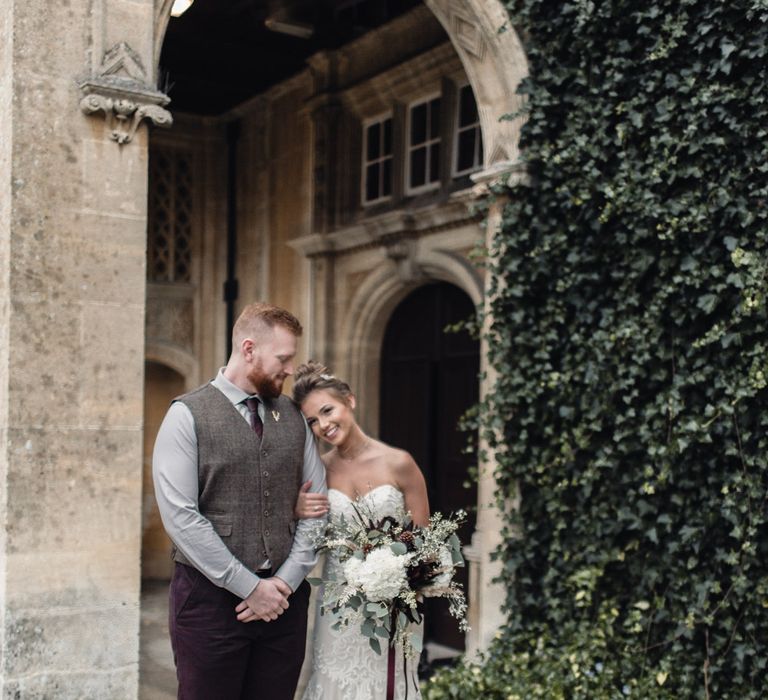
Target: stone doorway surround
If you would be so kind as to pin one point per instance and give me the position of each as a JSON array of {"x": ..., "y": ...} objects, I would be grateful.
[
  {"x": 358, "y": 274},
  {"x": 77, "y": 85}
]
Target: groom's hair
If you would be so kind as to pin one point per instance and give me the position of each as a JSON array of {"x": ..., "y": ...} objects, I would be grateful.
[{"x": 258, "y": 319}]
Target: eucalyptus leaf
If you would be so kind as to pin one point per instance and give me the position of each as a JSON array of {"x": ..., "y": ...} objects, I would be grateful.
[{"x": 398, "y": 548}]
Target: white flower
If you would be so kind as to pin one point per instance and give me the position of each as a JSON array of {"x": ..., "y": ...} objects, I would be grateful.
[
  {"x": 381, "y": 575},
  {"x": 352, "y": 572},
  {"x": 446, "y": 566},
  {"x": 438, "y": 586}
]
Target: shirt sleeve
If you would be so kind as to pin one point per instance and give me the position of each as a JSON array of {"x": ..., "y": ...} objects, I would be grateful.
[
  {"x": 174, "y": 471},
  {"x": 303, "y": 557}
]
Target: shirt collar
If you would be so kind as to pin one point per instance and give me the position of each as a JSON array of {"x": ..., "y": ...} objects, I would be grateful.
[{"x": 234, "y": 393}]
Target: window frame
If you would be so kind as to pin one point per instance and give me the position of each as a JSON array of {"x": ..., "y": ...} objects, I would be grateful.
[
  {"x": 478, "y": 166},
  {"x": 427, "y": 186},
  {"x": 367, "y": 123}
]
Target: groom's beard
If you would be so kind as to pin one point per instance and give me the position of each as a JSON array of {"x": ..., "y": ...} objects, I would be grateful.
[{"x": 267, "y": 386}]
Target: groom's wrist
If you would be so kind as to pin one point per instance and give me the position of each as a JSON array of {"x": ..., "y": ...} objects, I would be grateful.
[
  {"x": 292, "y": 575},
  {"x": 243, "y": 583}
]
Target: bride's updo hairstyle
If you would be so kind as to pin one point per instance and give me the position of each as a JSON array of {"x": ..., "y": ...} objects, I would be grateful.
[{"x": 312, "y": 376}]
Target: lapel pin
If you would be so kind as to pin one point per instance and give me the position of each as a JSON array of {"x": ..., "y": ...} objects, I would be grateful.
[{"x": 276, "y": 415}]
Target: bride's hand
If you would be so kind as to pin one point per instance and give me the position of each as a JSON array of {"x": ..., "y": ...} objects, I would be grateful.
[{"x": 310, "y": 505}]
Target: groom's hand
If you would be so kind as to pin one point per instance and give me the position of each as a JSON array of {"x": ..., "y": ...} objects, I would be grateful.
[{"x": 266, "y": 602}]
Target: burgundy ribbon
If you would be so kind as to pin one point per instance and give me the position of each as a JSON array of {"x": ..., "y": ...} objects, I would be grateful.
[{"x": 391, "y": 673}]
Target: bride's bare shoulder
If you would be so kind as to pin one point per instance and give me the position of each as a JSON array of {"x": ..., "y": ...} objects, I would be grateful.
[{"x": 399, "y": 461}]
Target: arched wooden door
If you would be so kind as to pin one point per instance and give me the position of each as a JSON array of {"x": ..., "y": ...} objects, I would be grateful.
[{"x": 428, "y": 379}]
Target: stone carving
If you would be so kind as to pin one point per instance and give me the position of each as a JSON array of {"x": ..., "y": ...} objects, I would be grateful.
[
  {"x": 402, "y": 252},
  {"x": 121, "y": 91},
  {"x": 122, "y": 62},
  {"x": 468, "y": 35}
]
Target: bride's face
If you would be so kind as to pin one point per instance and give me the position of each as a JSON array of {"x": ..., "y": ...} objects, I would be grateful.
[{"x": 329, "y": 416}]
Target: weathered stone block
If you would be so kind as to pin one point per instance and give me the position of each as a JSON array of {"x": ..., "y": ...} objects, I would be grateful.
[
  {"x": 67, "y": 500},
  {"x": 130, "y": 20},
  {"x": 71, "y": 653},
  {"x": 112, "y": 366},
  {"x": 43, "y": 347},
  {"x": 49, "y": 38},
  {"x": 74, "y": 685},
  {"x": 113, "y": 178},
  {"x": 80, "y": 257}
]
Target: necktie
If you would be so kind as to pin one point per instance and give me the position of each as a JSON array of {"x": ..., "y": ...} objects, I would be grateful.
[{"x": 256, "y": 424}]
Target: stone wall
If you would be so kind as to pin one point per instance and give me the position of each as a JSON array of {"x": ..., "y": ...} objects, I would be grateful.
[
  {"x": 72, "y": 238},
  {"x": 6, "y": 101}
]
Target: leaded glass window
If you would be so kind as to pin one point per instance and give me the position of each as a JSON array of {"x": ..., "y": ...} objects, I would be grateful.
[{"x": 169, "y": 249}]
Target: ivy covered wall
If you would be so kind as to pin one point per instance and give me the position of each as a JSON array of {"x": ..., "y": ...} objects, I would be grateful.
[{"x": 631, "y": 341}]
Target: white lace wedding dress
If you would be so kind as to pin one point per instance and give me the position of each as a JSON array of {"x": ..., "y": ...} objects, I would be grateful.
[{"x": 344, "y": 667}]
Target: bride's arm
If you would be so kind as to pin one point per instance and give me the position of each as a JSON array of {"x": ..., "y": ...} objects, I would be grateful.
[{"x": 411, "y": 482}]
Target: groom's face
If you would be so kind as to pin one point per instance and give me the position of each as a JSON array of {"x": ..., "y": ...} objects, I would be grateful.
[{"x": 271, "y": 361}]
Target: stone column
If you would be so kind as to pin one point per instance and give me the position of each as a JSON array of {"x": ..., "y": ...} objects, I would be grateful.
[
  {"x": 486, "y": 597},
  {"x": 72, "y": 279}
]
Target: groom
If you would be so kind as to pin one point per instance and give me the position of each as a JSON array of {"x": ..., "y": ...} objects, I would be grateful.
[{"x": 229, "y": 460}]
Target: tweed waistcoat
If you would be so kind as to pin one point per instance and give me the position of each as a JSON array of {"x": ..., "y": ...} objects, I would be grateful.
[{"x": 248, "y": 488}]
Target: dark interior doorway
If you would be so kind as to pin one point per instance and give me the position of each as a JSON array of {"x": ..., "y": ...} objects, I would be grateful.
[{"x": 429, "y": 378}]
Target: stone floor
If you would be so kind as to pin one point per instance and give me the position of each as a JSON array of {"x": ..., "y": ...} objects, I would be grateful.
[{"x": 157, "y": 675}]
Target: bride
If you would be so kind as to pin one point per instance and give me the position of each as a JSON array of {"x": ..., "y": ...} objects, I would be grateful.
[{"x": 389, "y": 482}]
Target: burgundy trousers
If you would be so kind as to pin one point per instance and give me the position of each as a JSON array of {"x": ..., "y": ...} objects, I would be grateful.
[{"x": 219, "y": 658}]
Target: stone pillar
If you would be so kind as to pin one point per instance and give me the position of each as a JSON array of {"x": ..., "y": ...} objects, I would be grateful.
[
  {"x": 72, "y": 279},
  {"x": 486, "y": 597}
]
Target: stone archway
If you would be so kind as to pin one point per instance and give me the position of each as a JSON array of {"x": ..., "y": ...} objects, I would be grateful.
[
  {"x": 363, "y": 329},
  {"x": 359, "y": 358},
  {"x": 495, "y": 63}
]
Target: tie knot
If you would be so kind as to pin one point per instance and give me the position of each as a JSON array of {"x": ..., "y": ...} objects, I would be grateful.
[{"x": 252, "y": 404}]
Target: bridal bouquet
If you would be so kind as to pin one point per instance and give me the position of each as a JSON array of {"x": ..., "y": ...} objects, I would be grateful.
[{"x": 385, "y": 568}]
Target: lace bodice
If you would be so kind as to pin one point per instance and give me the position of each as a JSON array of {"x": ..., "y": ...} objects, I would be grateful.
[{"x": 381, "y": 501}]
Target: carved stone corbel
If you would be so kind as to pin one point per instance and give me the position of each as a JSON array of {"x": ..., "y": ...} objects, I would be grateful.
[
  {"x": 402, "y": 251},
  {"x": 120, "y": 90}
]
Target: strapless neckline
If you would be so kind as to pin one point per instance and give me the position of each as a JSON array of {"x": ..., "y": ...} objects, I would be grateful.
[{"x": 366, "y": 495}]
